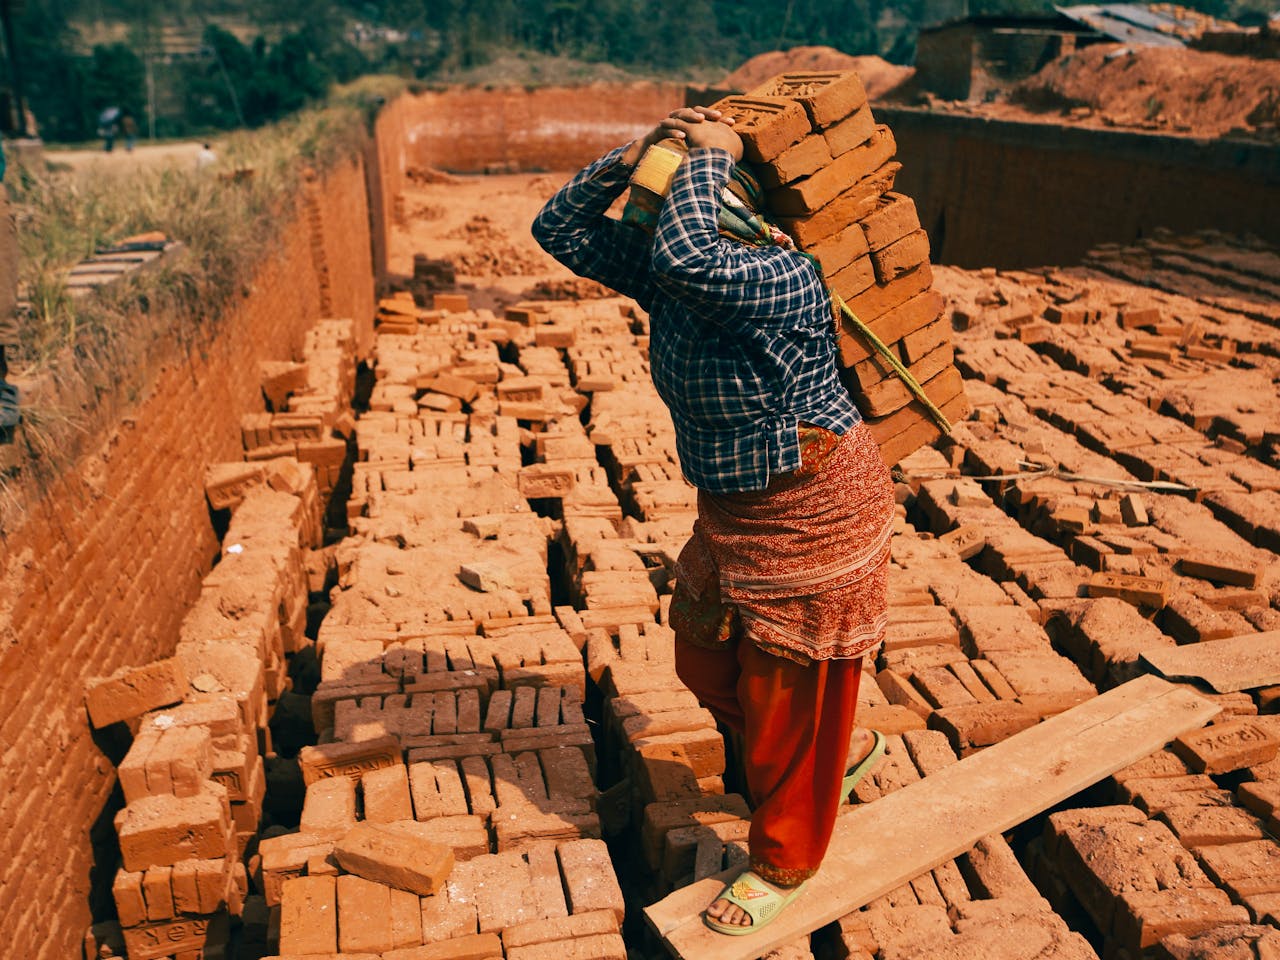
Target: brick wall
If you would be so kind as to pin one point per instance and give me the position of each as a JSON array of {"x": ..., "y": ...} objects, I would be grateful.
[
  {"x": 557, "y": 128},
  {"x": 107, "y": 562}
]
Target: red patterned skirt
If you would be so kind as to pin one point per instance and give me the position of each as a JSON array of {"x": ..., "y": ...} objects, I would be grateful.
[{"x": 799, "y": 568}]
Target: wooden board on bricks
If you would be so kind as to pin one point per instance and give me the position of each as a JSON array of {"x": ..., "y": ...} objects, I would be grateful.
[{"x": 936, "y": 819}]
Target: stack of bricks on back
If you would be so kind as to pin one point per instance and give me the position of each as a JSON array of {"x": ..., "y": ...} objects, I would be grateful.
[{"x": 829, "y": 172}]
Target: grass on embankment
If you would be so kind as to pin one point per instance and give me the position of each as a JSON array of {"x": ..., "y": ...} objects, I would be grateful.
[{"x": 90, "y": 355}]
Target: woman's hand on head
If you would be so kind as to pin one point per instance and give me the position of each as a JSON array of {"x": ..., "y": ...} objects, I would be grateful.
[{"x": 696, "y": 126}]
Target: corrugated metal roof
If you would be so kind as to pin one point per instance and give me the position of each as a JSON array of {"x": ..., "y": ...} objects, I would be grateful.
[{"x": 1129, "y": 23}]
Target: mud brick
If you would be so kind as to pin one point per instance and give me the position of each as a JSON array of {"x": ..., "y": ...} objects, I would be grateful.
[
  {"x": 579, "y": 925},
  {"x": 661, "y": 818},
  {"x": 841, "y": 249},
  {"x": 237, "y": 768},
  {"x": 901, "y": 257},
  {"x": 827, "y": 96},
  {"x": 309, "y": 916},
  {"x": 806, "y": 197},
  {"x": 364, "y": 916},
  {"x": 157, "y": 891},
  {"x": 893, "y": 218},
  {"x": 1101, "y": 862},
  {"x": 993, "y": 872},
  {"x": 199, "y": 886},
  {"x": 1262, "y": 797},
  {"x": 348, "y": 759},
  {"x": 543, "y": 480},
  {"x": 436, "y": 789},
  {"x": 132, "y": 691},
  {"x": 1223, "y": 568},
  {"x": 881, "y": 298},
  {"x": 854, "y": 203},
  {"x": 767, "y": 125},
  {"x": 386, "y": 794},
  {"x": 934, "y": 373},
  {"x": 567, "y": 774},
  {"x": 395, "y": 858},
  {"x": 853, "y": 131},
  {"x": 593, "y": 947},
  {"x": 1197, "y": 826},
  {"x": 898, "y": 690},
  {"x": 849, "y": 281},
  {"x": 476, "y": 946},
  {"x": 982, "y": 724},
  {"x": 1223, "y": 747},
  {"x": 1189, "y": 619},
  {"x": 805, "y": 158},
  {"x": 464, "y": 834},
  {"x": 704, "y": 748},
  {"x": 942, "y": 688},
  {"x": 1243, "y": 869},
  {"x": 589, "y": 878},
  {"x": 131, "y": 905},
  {"x": 1059, "y": 824},
  {"x": 663, "y": 774},
  {"x": 160, "y": 831},
  {"x": 1144, "y": 917},
  {"x": 464, "y": 388},
  {"x": 181, "y": 937},
  {"x": 1154, "y": 794},
  {"x": 330, "y": 808},
  {"x": 498, "y": 715},
  {"x": 475, "y": 775},
  {"x": 1139, "y": 591},
  {"x": 993, "y": 679},
  {"x": 451, "y": 302}
]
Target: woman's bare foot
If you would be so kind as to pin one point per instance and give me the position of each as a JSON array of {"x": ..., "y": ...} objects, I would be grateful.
[{"x": 730, "y": 914}]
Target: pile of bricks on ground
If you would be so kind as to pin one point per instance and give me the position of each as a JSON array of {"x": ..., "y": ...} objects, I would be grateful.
[
  {"x": 495, "y": 695},
  {"x": 829, "y": 171}
]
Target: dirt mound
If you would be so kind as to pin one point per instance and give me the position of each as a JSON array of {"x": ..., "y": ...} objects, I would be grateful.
[
  {"x": 878, "y": 75},
  {"x": 1169, "y": 88}
]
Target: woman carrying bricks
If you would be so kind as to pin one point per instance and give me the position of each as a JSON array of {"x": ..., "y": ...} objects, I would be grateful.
[{"x": 781, "y": 590}]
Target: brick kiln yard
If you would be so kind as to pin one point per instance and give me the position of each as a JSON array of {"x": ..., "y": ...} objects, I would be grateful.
[{"x": 506, "y": 764}]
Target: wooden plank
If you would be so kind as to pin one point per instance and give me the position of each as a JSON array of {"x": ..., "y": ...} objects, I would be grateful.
[
  {"x": 1226, "y": 665},
  {"x": 879, "y": 846}
]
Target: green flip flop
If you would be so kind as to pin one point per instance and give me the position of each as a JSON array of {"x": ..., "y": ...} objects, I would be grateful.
[
  {"x": 760, "y": 901},
  {"x": 864, "y": 765}
]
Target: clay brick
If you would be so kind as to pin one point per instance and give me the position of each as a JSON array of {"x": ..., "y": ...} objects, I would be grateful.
[
  {"x": 1144, "y": 917},
  {"x": 855, "y": 202},
  {"x": 901, "y": 257},
  {"x": 181, "y": 937},
  {"x": 585, "y": 924},
  {"x": 330, "y": 808},
  {"x": 159, "y": 831},
  {"x": 767, "y": 125},
  {"x": 593, "y": 947},
  {"x": 386, "y": 794},
  {"x": 1243, "y": 869},
  {"x": 993, "y": 872},
  {"x": 309, "y": 916},
  {"x": 806, "y": 197},
  {"x": 893, "y": 218},
  {"x": 1223, "y": 747},
  {"x": 659, "y": 818},
  {"x": 841, "y": 249},
  {"x": 396, "y": 858},
  {"x": 1223, "y": 568},
  {"x": 827, "y": 96},
  {"x": 589, "y": 878},
  {"x": 406, "y": 918},
  {"x": 853, "y": 279},
  {"x": 476, "y": 946},
  {"x": 1139, "y": 591},
  {"x": 131, "y": 906},
  {"x": 982, "y": 724},
  {"x": 805, "y": 158},
  {"x": 541, "y": 481},
  {"x": 132, "y": 691},
  {"x": 347, "y": 759},
  {"x": 882, "y": 298},
  {"x": 1154, "y": 794},
  {"x": 1200, "y": 826},
  {"x": 364, "y": 916},
  {"x": 157, "y": 890}
]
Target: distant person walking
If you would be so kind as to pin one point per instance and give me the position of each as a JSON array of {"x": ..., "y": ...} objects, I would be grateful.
[
  {"x": 109, "y": 127},
  {"x": 206, "y": 158},
  {"x": 129, "y": 127}
]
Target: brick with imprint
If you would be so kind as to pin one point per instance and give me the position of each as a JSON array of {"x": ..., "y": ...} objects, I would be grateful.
[
  {"x": 1223, "y": 747},
  {"x": 827, "y": 96}
]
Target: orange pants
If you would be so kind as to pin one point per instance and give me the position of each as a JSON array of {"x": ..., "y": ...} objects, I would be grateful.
[{"x": 795, "y": 722}]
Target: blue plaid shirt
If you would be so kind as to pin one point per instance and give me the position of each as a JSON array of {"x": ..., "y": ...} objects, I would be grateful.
[{"x": 742, "y": 342}]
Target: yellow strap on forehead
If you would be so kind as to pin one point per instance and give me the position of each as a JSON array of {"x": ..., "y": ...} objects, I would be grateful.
[{"x": 656, "y": 168}]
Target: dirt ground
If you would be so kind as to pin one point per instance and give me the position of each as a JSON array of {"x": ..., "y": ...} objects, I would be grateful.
[{"x": 119, "y": 160}]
